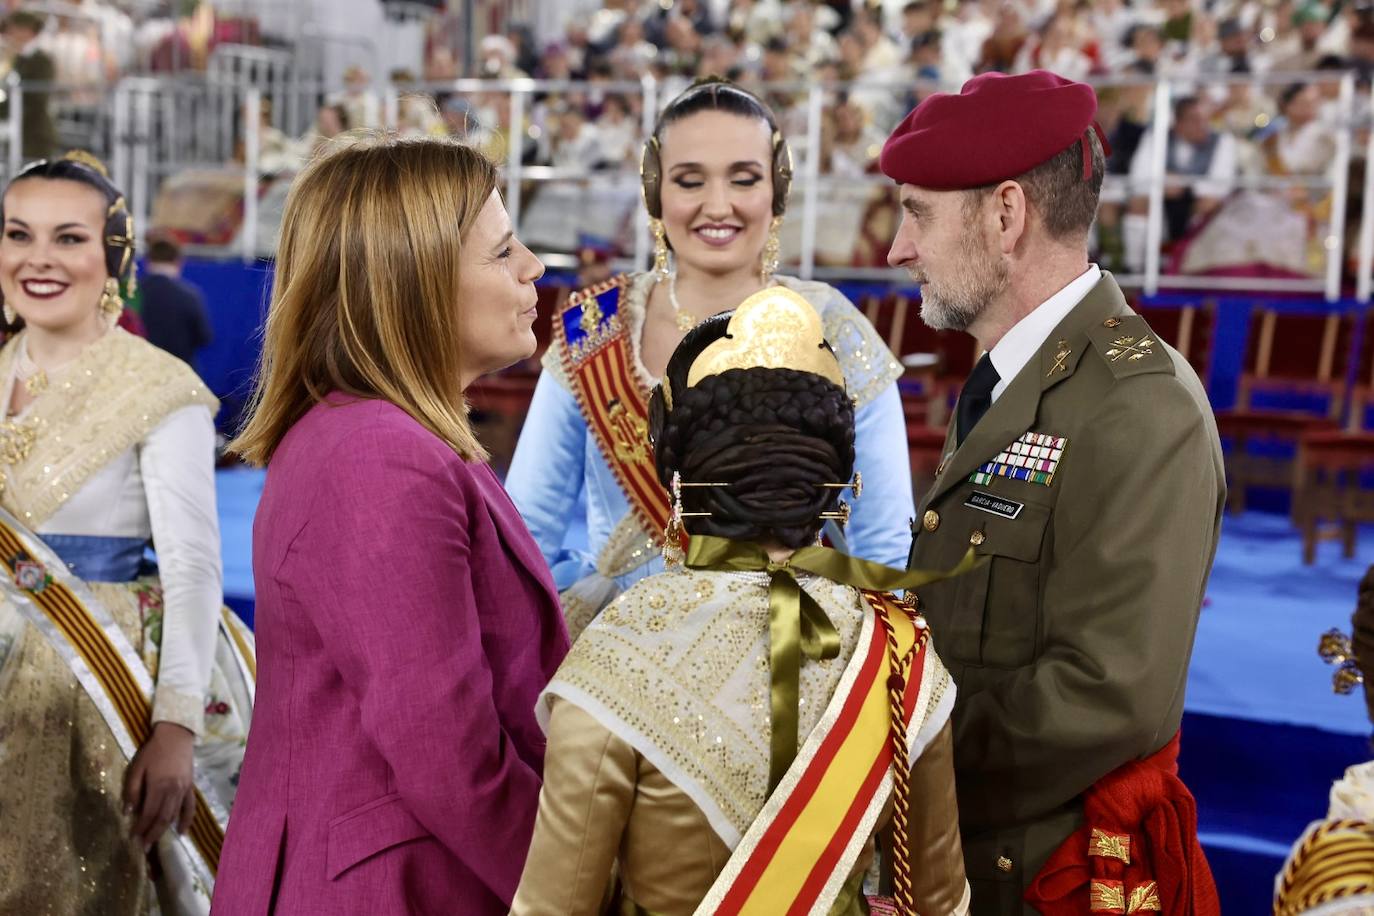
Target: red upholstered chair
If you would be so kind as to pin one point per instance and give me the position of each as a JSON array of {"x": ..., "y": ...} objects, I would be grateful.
[
  {"x": 1302, "y": 357},
  {"x": 1330, "y": 499},
  {"x": 1331, "y": 466}
]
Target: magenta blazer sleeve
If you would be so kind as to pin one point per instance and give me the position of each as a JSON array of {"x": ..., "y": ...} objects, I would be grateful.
[{"x": 388, "y": 583}]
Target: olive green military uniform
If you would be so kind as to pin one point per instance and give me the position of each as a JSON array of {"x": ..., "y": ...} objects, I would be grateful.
[{"x": 1070, "y": 646}]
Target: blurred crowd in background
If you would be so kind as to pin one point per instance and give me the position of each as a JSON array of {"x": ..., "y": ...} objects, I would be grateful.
[{"x": 1256, "y": 97}]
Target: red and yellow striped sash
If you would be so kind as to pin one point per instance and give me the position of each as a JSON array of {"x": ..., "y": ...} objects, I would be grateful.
[
  {"x": 803, "y": 846},
  {"x": 63, "y": 609},
  {"x": 597, "y": 359}
]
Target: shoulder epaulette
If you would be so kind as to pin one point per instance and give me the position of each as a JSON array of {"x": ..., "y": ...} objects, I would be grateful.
[{"x": 1129, "y": 347}]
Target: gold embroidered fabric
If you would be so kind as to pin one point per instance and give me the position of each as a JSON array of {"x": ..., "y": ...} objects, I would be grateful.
[
  {"x": 109, "y": 398},
  {"x": 61, "y": 772},
  {"x": 678, "y": 667}
]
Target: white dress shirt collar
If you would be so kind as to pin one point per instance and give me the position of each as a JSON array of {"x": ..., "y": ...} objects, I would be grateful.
[{"x": 1019, "y": 345}]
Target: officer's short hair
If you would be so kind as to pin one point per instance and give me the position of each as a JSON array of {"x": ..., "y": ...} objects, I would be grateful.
[{"x": 1056, "y": 189}]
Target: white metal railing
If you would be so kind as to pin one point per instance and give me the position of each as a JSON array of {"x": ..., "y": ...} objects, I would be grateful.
[{"x": 159, "y": 126}]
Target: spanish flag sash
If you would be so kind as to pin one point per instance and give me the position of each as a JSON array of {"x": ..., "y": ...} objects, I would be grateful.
[
  {"x": 799, "y": 852},
  {"x": 597, "y": 355},
  {"x": 36, "y": 581}
]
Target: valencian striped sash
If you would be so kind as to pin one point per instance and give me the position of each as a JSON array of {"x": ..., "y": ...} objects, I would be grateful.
[
  {"x": 107, "y": 666},
  {"x": 597, "y": 358},
  {"x": 799, "y": 852}
]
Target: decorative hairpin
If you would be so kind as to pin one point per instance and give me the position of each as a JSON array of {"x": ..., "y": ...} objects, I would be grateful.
[
  {"x": 841, "y": 514},
  {"x": 857, "y": 485}
]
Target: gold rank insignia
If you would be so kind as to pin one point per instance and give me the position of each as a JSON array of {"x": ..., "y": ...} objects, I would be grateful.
[{"x": 1131, "y": 348}]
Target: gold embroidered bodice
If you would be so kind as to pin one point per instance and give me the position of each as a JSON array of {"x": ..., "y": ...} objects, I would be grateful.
[{"x": 107, "y": 400}]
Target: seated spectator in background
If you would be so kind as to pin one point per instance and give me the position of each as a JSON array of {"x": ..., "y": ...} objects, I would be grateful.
[
  {"x": 808, "y": 37},
  {"x": 756, "y": 21},
  {"x": 1232, "y": 54},
  {"x": 854, "y": 142},
  {"x": 720, "y": 56},
  {"x": 276, "y": 151},
  {"x": 617, "y": 133},
  {"x": 918, "y": 18},
  {"x": 881, "y": 54},
  {"x": 497, "y": 55},
  {"x": 576, "y": 145},
  {"x": 682, "y": 45},
  {"x": 926, "y": 57},
  {"x": 1124, "y": 113},
  {"x": 331, "y": 121},
  {"x": 1302, "y": 144},
  {"x": 417, "y": 114},
  {"x": 1003, "y": 46},
  {"x": 174, "y": 314},
  {"x": 1178, "y": 24},
  {"x": 1243, "y": 111},
  {"x": 33, "y": 66},
  {"x": 1302, "y": 50},
  {"x": 363, "y": 107},
  {"x": 963, "y": 31},
  {"x": 1196, "y": 151},
  {"x": 1058, "y": 50},
  {"x": 1111, "y": 21},
  {"x": 1146, "y": 43},
  {"x": 632, "y": 54}
]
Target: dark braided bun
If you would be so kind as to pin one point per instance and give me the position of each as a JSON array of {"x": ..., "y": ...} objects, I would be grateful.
[{"x": 773, "y": 435}]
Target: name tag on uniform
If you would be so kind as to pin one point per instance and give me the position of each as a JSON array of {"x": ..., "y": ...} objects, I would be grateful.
[{"x": 995, "y": 505}]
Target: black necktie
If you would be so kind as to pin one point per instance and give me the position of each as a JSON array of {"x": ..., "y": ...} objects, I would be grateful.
[{"x": 975, "y": 399}]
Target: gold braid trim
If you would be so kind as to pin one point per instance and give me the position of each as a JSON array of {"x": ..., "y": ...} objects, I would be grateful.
[
  {"x": 899, "y": 667},
  {"x": 1335, "y": 861},
  {"x": 105, "y": 401}
]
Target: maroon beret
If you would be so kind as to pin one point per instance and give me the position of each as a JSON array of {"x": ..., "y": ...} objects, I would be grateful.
[{"x": 996, "y": 128}]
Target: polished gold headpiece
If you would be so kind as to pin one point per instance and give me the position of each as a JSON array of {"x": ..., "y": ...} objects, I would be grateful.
[{"x": 775, "y": 328}]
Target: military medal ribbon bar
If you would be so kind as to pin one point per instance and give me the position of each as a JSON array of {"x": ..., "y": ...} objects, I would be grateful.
[{"x": 1033, "y": 458}]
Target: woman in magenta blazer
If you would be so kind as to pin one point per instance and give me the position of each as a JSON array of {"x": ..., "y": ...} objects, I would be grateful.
[{"x": 406, "y": 621}]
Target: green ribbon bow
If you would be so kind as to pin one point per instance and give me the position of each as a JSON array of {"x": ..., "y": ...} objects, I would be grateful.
[{"x": 796, "y": 624}]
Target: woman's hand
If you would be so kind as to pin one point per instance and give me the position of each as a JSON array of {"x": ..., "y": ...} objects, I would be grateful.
[{"x": 158, "y": 786}]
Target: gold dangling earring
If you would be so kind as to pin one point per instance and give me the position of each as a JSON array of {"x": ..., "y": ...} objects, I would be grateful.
[
  {"x": 10, "y": 316},
  {"x": 111, "y": 305},
  {"x": 660, "y": 247},
  {"x": 672, "y": 534},
  {"x": 772, "y": 251}
]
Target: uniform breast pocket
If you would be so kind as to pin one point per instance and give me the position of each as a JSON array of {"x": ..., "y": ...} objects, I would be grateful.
[{"x": 1007, "y": 586}]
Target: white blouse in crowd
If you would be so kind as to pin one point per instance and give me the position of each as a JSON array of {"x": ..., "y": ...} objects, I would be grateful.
[{"x": 164, "y": 488}]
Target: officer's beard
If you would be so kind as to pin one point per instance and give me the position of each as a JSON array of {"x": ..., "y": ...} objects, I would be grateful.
[{"x": 975, "y": 278}]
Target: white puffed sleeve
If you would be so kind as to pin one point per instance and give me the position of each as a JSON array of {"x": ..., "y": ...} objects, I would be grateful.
[{"x": 177, "y": 460}]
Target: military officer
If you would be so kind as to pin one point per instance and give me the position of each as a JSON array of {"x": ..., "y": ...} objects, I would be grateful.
[{"x": 1083, "y": 462}]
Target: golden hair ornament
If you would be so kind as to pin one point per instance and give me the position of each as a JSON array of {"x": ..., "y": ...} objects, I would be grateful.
[
  {"x": 89, "y": 160},
  {"x": 775, "y": 328}
]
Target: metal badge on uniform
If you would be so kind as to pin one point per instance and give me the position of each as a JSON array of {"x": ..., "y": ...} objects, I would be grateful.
[
  {"x": 995, "y": 505},
  {"x": 1033, "y": 458}
]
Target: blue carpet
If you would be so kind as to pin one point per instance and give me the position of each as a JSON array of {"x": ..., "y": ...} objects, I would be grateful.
[{"x": 1263, "y": 736}]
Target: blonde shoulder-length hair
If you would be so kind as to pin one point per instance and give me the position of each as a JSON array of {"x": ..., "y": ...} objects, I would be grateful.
[{"x": 365, "y": 297}]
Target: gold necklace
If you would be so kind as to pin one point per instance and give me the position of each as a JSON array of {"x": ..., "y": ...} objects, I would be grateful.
[
  {"x": 684, "y": 320},
  {"x": 33, "y": 378}
]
